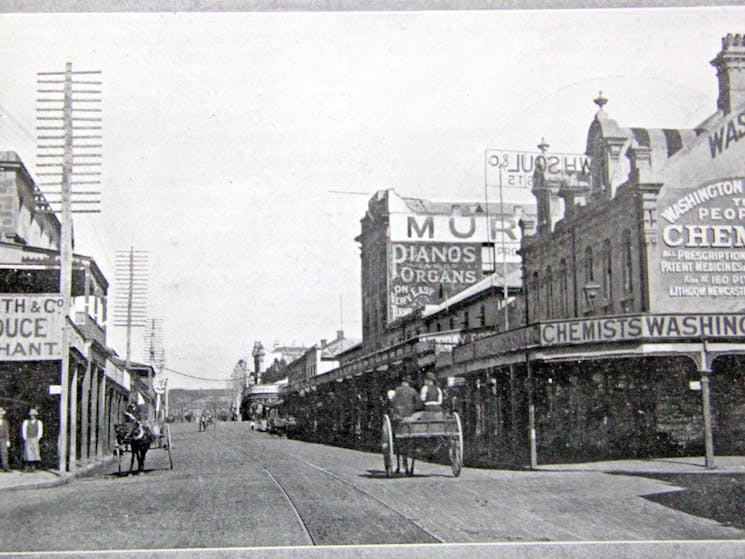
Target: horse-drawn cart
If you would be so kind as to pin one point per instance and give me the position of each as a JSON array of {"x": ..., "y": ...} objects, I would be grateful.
[
  {"x": 422, "y": 435},
  {"x": 137, "y": 437}
]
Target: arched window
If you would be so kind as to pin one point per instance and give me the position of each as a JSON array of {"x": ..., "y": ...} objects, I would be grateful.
[
  {"x": 628, "y": 284},
  {"x": 607, "y": 271},
  {"x": 549, "y": 282},
  {"x": 589, "y": 273},
  {"x": 563, "y": 289},
  {"x": 535, "y": 311}
]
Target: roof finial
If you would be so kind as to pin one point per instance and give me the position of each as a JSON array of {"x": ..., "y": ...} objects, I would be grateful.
[
  {"x": 600, "y": 101},
  {"x": 544, "y": 145}
]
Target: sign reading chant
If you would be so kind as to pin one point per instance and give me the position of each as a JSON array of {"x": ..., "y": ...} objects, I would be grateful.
[{"x": 30, "y": 327}]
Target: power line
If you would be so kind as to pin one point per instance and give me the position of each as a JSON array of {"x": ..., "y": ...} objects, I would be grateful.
[{"x": 196, "y": 377}]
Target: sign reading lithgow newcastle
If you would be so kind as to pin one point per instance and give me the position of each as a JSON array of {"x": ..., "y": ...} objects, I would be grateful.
[
  {"x": 702, "y": 250},
  {"x": 30, "y": 327},
  {"x": 637, "y": 327},
  {"x": 512, "y": 169}
]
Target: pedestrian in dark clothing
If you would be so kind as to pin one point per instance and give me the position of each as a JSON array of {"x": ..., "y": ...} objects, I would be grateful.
[
  {"x": 4, "y": 441},
  {"x": 405, "y": 399}
]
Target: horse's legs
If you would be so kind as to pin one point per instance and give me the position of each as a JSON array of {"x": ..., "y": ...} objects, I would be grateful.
[{"x": 132, "y": 459}]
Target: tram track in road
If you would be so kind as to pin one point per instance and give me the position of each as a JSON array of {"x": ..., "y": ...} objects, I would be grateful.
[{"x": 325, "y": 522}]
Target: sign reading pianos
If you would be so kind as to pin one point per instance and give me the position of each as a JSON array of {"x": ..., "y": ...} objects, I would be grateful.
[{"x": 30, "y": 327}]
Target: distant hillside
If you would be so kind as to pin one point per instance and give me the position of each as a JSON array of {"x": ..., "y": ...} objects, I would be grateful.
[{"x": 182, "y": 401}]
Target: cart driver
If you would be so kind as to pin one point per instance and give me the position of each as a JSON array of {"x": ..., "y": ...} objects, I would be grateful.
[
  {"x": 404, "y": 400},
  {"x": 431, "y": 394}
]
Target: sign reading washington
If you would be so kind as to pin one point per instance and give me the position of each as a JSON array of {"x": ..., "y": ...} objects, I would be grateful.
[{"x": 30, "y": 327}]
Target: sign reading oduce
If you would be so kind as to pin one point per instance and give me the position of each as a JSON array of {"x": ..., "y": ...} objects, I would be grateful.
[{"x": 30, "y": 327}]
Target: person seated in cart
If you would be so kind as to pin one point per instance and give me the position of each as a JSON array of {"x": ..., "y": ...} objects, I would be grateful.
[
  {"x": 404, "y": 400},
  {"x": 431, "y": 394}
]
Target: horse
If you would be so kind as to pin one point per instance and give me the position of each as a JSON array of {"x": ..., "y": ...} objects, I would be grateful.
[{"x": 139, "y": 437}]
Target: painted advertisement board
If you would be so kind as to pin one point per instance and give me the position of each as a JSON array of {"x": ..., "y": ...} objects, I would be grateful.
[
  {"x": 701, "y": 256},
  {"x": 515, "y": 169},
  {"x": 501, "y": 230},
  {"x": 423, "y": 273},
  {"x": 30, "y": 327}
]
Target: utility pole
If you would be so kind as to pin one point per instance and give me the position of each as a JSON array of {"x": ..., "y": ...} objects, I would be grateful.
[
  {"x": 155, "y": 356},
  {"x": 130, "y": 305},
  {"x": 59, "y": 118}
]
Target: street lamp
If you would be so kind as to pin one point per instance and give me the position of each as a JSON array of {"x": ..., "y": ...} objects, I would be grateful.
[{"x": 591, "y": 290}]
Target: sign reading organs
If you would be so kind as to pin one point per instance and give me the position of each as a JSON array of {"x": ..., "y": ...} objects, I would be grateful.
[
  {"x": 30, "y": 327},
  {"x": 702, "y": 246},
  {"x": 425, "y": 273}
]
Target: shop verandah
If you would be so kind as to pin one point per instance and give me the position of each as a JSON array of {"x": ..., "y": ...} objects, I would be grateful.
[{"x": 528, "y": 398}]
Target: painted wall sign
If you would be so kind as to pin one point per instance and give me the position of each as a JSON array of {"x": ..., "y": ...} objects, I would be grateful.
[
  {"x": 30, "y": 327},
  {"x": 727, "y": 135},
  {"x": 702, "y": 244},
  {"x": 637, "y": 327},
  {"x": 424, "y": 273},
  {"x": 500, "y": 230},
  {"x": 517, "y": 167}
]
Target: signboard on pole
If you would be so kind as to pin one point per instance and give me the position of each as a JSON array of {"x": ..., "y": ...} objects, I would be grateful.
[
  {"x": 514, "y": 169},
  {"x": 31, "y": 327}
]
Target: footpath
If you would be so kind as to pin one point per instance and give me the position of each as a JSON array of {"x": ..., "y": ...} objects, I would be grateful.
[{"x": 18, "y": 479}]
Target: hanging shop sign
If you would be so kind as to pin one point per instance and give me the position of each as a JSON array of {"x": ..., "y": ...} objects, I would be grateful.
[
  {"x": 511, "y": 169},
  {"x": 30, "y": 327},
  {"x": 702, "y": 245}
]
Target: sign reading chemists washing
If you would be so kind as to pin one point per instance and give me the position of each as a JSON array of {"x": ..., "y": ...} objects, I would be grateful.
[
  {"x": 702, "y": 244},
  {"x": 30, "y": 327}
]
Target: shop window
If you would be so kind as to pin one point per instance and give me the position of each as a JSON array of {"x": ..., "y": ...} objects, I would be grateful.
[
  {"x": 466, "y": 320},
  {"x": 452, "y": 323},
  {"x": 482, "y": 315}
]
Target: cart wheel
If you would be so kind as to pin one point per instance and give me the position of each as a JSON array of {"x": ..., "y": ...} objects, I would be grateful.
[
  {"x": 456, "y": 447},
  {"x": 387, "y": 446},
  {"x": 168, "y": 443}
]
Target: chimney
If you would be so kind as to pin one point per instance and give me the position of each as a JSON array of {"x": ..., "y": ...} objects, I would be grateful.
[
  {"x": 730, "y": 65},
  {"x": 324, "y": 343},
  {"x": 340, "y": 334}
]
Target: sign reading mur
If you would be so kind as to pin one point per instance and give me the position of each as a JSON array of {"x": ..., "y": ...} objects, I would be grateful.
[{"x": 30, "y": 327}]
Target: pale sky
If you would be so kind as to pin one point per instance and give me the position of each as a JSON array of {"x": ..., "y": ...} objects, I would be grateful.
[{"x": 224, "y": 134}]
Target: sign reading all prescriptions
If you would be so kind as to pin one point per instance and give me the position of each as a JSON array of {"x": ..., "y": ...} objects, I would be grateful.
[
  {"x": 629, "y": 328},
  {"x": 510, "y": 168},
  {"x": 30, "y": 327}
]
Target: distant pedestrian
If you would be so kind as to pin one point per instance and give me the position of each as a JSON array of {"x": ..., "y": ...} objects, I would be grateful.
[
  {"x": 32, "y": 430},
  {"x": 4, "y": 440}
]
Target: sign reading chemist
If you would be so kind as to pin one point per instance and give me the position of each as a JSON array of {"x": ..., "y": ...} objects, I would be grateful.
[{"x": 30, "y": 327}]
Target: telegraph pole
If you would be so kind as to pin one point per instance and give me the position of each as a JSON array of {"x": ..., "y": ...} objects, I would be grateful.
[
  {"x": 131, "y": 270},
  {"x": 59, "y": 119}
]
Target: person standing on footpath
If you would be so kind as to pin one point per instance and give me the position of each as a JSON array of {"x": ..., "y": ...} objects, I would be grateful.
[
  {"x": 4, "y": 440},
  {"x": 32, "y": 430}
]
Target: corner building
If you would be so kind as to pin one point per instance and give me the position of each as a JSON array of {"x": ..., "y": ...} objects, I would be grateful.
[{"x": 634, "y": 282}]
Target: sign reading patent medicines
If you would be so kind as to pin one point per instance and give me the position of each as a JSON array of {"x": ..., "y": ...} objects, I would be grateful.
[{"x": 30, "y": 327}]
